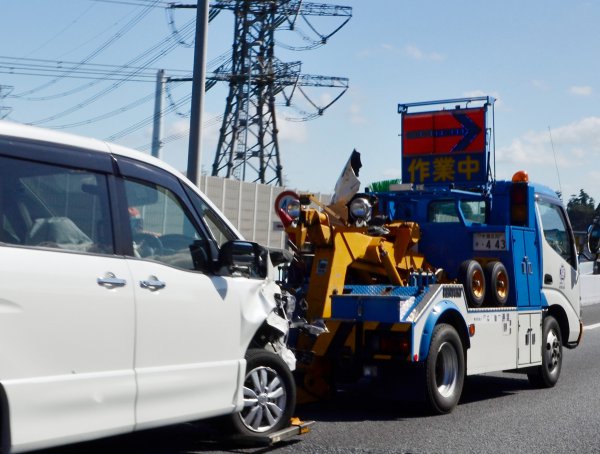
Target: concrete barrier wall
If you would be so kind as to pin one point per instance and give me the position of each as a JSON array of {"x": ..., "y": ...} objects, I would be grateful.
[{"x": 249, "y": 206}]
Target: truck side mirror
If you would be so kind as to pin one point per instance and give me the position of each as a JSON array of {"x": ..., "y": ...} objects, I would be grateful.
[
  {"x": 243, "y": 258},
  {"x": 593, "y": 238}
]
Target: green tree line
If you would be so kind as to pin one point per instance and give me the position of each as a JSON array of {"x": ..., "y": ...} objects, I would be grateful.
[{"x": 582, "y": 210}]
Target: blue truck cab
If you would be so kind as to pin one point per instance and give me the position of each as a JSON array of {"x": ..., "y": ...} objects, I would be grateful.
[{"x": 522, "y": 225}]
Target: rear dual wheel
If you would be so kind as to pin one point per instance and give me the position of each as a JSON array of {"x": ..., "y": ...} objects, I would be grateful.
[
  {"x": 496, "y": 277},
  {"x": 481, "y": 284},
  {"x": 470, "y": 275}
]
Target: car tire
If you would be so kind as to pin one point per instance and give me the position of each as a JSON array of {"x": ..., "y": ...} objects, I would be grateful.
[
  {"x": 269, "y": 395},
  {"x": 546, "y": 375}
]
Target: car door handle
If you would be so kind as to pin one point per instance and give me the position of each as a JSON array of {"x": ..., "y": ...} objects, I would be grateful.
[
  {"x": 152, "y": 284},
  {"x": 110, "y": 281}
]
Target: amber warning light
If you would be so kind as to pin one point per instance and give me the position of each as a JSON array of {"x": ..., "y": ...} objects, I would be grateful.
[{"x": 520, "y": 177}]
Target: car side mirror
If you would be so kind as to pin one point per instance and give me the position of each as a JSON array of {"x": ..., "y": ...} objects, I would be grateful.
[
  {"x": 593, "y": 238},
  {"x": 243, "y": 258}
]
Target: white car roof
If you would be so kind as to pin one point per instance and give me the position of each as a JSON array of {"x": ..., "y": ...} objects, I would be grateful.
[{"x": 10, "y": 129}]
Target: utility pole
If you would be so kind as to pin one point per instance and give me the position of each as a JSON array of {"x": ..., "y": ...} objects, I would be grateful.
[
  {"x": 199, "y": 77},
  {"x": 158, "y": 104}
]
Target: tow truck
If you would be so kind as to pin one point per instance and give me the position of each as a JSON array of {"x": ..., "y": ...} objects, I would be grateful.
[{"x": 451, "y": 273}]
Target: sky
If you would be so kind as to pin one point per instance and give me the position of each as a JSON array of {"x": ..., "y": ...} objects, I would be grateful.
[{"x": 538, "y": 58}]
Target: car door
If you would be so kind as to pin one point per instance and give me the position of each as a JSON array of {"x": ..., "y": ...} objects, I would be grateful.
[
  {"x": 66, "y": 300},
  {"x": 560, "y": 278},
  {"x": 188, "y": 354}
]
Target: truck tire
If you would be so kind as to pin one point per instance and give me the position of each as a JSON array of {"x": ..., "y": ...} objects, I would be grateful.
[
  {"x": 444, "y": 370},
  {"x": 470, "y": 275},
  {"x": 269, "y": 395},
  {"x": 496, "y": 278},
  {"x": 546, "y": 375}
]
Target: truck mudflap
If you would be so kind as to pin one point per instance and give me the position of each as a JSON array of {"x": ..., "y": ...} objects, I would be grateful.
[
  {"x": 297, "y": 427},
  {"x": 576, "y": 343}
]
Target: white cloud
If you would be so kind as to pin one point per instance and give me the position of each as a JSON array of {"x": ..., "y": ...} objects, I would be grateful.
[
  {"x": 572, "y": 144},
  {"x": 356, "y": 116},
  {"x": 581, "y": 90},
  {"x": 291, "y": 131},
  {"x": 540, "y": 84},
  {"x": 494, "y": 94},
  {"x": 408, "y": 50},
  {"x": 417, "y": 54},
  {"x": 576, "y": 148}
]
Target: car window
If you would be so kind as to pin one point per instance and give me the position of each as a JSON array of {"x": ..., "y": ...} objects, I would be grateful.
[
  {"x": 555, "y": 230},
  {"x": 161, "y": 227},
  {"x": 51, "y": 206},
  {"x": 220, "y": 232}
]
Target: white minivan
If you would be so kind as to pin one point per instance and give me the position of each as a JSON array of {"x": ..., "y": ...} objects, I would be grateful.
[{"x": 127, "y": 300}]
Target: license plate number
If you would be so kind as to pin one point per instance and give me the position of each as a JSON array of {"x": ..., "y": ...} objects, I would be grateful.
[{"x": 494, "y": 241}]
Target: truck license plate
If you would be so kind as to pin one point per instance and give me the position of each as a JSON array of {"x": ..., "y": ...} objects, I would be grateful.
[{"x": 492, "y": 241}]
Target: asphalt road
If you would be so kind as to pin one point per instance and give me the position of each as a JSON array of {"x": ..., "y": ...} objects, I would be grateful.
[{"x": 497, "y": 413}]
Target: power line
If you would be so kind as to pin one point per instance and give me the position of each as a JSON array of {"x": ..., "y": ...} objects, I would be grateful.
[
  {"x": 146, "y": 121},
  {"x": 154, "y": 4},
  {"x": 63, "y": 30},
  {"x": 120, "y": 110},
  {"x": 126, "y": 28},
  {"x": 182, "y": 134},
  {"x": 73, "y": 70},
  {"x": 159, "y": 50}
]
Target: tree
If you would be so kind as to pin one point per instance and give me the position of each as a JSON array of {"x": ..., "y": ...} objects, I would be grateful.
[{"x": 581, "y": 210}]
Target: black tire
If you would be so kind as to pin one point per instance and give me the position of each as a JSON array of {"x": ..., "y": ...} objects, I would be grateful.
[
  {"x": 496, "y": 278},
  {"x": 546, "y": 375},
  {"x": 269, "y": 395},
  {"x": 444, "y": 370},
  {"x": 470, "y": 275}
]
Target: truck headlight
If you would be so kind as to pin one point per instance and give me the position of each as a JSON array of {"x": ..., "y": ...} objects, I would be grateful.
[
  {"x": 361, "y": 210},
  {"x": 293, "y": 209}
]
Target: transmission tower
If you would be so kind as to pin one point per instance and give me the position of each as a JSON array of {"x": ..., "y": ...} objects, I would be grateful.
[{"x": 248, "y": 148}]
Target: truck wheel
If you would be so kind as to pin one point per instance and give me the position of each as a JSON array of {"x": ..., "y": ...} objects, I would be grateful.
[
  {"x": 546, "y": 375},
  {"x": 444, "y": 370},
  {"x": 269, "y": 395},
  {"x": 470, "y": 275},
  {"x": 496, "y": 278}
]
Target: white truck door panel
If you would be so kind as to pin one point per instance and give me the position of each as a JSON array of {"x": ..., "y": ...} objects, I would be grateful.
[{"x": 560, "y": 278}]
